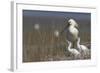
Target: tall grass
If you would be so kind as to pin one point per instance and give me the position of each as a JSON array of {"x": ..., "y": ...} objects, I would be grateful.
[{"x": 45, "y": 46}]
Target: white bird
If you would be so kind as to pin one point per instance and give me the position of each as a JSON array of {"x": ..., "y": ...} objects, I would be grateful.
[
  {"x": 72, "y": 31},
  {"x": 75, "y": 53},
  {"x": 82, "y": 48}
]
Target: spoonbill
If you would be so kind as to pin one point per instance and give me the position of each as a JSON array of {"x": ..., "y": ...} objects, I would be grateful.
[
  {"x": 82, "y": 48},
  {"x": 75, "y": 53},
  {"x": 72, "y": 31}
]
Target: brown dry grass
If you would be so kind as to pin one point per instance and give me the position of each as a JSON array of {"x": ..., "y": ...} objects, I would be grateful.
[{"x": 44, "y": 46}]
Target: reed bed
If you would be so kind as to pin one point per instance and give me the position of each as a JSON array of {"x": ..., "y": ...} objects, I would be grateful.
[{"x": 45, "y": 46}]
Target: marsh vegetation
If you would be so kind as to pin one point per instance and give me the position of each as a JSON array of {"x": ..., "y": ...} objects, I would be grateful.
[{"x": 40, "y": 42}]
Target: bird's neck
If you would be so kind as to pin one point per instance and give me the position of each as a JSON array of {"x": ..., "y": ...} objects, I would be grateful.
[
  {"x": 71, "y": 26},
  {"x": 69, "y": 46},
  {"x": 78, "y": 44}
]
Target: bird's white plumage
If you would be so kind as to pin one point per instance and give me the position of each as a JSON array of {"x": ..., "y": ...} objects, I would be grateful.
[
  {"x": 73, "y": 51},
  {"x": 72, "y": 22},
  {"x": 72, "y": 32},
  {"x": 82, "y": 48}
]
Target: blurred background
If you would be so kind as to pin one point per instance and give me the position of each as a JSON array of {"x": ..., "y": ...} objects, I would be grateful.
[{"x": 41, "y": 38}]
